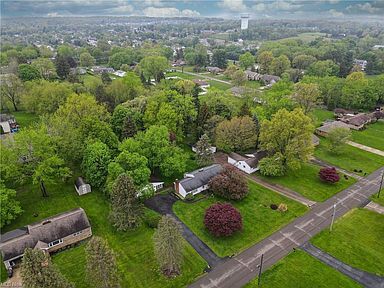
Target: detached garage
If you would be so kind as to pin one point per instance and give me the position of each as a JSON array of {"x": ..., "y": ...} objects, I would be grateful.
[{"x": 82, "y": 187}]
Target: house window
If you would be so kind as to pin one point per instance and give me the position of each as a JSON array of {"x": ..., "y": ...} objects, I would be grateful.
[
  {"x": 77, "y": 233},
  {"x": 56, "y": 242}
]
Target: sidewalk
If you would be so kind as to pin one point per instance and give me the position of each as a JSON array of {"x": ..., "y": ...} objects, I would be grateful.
[
  {"x": 375, "y": 207},
  {"x": 366, "y": 148}
]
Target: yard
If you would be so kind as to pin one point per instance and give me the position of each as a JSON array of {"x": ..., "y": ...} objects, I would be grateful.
[
  {"x": 320, "y": 115},
  {"x": 25, "y": 119},
  {"x": 356, "y": 239},
  {"x": 350, "y": 159},
  {"x": 379, "y": 200},
  {"x": 306, "y": 181},
  {"x": 134, "y": 249},
  {"x": 373, "y": 136},
  {"x": 259, "y": 220},
  {"x": 300, "y": 270}
]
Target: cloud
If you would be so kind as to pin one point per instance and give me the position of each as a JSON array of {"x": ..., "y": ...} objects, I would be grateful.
[
  {"x": 169, "y": 12},
  {"x": 277, "y": 5},
  {"x": 153, "y": 3},
  {"x": 335, "y": 13},
  {"x": 233, "y": 5},
  {"x": 365, "y": 7}
]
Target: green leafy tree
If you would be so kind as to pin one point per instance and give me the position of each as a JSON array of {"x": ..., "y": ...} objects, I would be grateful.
[
  {"x": 153, "y": 66},
  {"x": 96, "y": 158},
  {"x": 307, "y": 96},
  {"x": 129, "y": 128},
  {"x": 10, "y": 207},
  {"x": 265, "y": 60},
  {"x": 272, "y": 166},
  {"x": 203, "y": 151},
  {"x": 121, "y": 58},
  {"x": 37, "y": 271},
  {"x": 87, "y": 60},
  {"x": 126, "y": 88},
  {"x": 290, "y": 135},
  {"x": 237, "y": 134},
  {"x": 44, "y": 97},
  {"x": 11, "y": 90},
  {"x": 239, "y": 78},
  {"x": 279, "y": 65},
  {"x": 303, "y": 61},
  {"x": 338, "y": 138},
  {"x": 62, "y": 67},
  {"x": 168, "y": 243},
  {"x": 246, "y": 60},
  {"x": 45, "y": 67},
  {"x": 126, "y": 209},
  {"x": 219, "y": 58},
  {"x": 323, "y": 69},
  {"x": 28, "y": 72},
  {"x": 101, "y": 267}
]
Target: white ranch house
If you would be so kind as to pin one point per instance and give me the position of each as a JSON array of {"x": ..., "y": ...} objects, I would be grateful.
[
  {"x": 197, "y": 181},
  {"x": 248, "y": 163}
]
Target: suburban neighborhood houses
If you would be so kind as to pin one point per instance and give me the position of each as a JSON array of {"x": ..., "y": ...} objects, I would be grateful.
[{"x": 211, "y": 144}]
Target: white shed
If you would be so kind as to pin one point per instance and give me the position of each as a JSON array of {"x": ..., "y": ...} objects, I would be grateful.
[{"x": 82, "y": 187}]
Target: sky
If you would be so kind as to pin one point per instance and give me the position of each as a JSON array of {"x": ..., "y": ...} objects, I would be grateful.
[{"x": 257, "y": 9}]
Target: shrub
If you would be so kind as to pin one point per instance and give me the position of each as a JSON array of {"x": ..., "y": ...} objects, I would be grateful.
[
  {"x": 229, "y": 184},
  {"x": 273, "y": 206},
  {"x": 151, "y": 218},
  {"x": 282, "y": 207},
  {"x": 222, "y": 219},
  {"x": 329, "y": 174}
]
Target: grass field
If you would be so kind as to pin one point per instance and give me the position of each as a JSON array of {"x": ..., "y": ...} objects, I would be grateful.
[
  {"x": 378, "y": 200},
  {"x": 320, "y": 115},
  {"x": 306, "y": 181},
  {"x": 300, "y": 270},
  {"x": 356, "y": 239},
  {"x": 351, "y": 158},
  {"x": 259, "y": 220},
  {"x": 25, "y": 119},
  {"x": 134, "y": 249},
  {"x": 373, "y": 136},
  {"x": 306, "y": 37}
]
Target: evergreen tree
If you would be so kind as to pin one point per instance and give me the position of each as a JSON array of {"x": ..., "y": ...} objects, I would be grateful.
[
  {"x": 203, "y": 151},
  {"x": 168, "y": 243},
  {"x": 62, "y": 67},
  {"x": 244, "y": 110},
  {"x": 101, "y": 264},
  {"x": 37, "y": 271},
  {"x": 126, "y": 208},
  {"x": 129, "y": 128},
  {"x": 105, "y": 78}
]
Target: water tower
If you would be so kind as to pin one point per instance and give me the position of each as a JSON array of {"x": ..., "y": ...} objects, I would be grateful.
[{"x": 244, "y": 21}]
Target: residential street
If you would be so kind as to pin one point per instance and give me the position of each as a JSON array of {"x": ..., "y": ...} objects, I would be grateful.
[
  {"x": 204, "y": 76},
  {"x": 242, "y": 268}
]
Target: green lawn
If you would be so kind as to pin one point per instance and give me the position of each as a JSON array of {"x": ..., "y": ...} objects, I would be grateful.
[
  {"x": 25, "y": 119},
  {"x": 351, "y": 158},
  {"x": 3, "y": 271},
  {"x": 300, "y": 270},
  {"x": 320, "y": 115},
  {"x": 356, "y": 239},
  {"x": 219, "y": 85},
  {"x": 306, "y": 181},
  {"x": 259, "y": 220},
  {"x": 252, "y": 84},
  {"x": 373, "y": 136},
  {"x": 378, "y": 200},
  {"x": 134, "y": 249}
]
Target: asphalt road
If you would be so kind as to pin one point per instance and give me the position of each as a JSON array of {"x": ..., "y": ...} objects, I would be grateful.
[{"x": 241, "y": 269}]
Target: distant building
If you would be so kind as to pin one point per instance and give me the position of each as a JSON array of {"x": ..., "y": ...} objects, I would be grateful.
[
  {"x": 197, "y": 181},
  {"x": 48, "y": 235},
  {"x": 214, "y": 70},
  {"x": 376, "y": 47},
  {"x": 119, "y": 73},
  {"x": 244, "y": 21},
  {"x": 8, "y": 124},
  {"x": 248, "y": 163},
  {"x": 361, "y": 63},
  {"x": 329, "y": 126}
]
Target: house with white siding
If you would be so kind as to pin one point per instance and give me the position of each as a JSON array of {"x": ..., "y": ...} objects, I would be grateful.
[{"x": 248, "y": 163}]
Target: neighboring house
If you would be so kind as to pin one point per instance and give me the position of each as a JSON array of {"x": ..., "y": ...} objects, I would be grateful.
[
  {"x": 157, "y": 185},
  {"x": 269, "y": 80},
  {"x": 329, "y": 126},
  {"x": 248, "y": 163},
  {"x": 8, "y": 124},
  {"x": 100, "y": 70},
  {"x": 240, "y": 91},
  {"x": 212, "y": 149},
  {"x": 214, "y": 70},
  {"x": 178, "y": 63},
  {"x": 197, "y": 181},
  {"x": 358, "y": 121},
  {"x": 252, "y": 75},
  {"x": 201, "y": 83},
  {"x": 48, "y": 235},
  {"x": 361, "y": 63},
  {"x": 119, "y": 73},
  {"x": 82, "y": 187}
]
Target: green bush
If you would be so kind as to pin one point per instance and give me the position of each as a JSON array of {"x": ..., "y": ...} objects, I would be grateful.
[{"x": 151, "y": 218}]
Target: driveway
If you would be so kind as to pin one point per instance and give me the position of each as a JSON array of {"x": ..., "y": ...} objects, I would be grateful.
[
  {"x": 239, "y": 270},
  {"x": 163, "y": 205}
]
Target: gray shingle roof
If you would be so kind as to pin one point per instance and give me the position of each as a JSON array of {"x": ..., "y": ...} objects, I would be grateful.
[
  {"x": 14, "y": 243},
  {"x": 200, "y": 177}
]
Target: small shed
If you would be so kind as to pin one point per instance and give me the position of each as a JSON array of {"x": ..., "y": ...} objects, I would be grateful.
[{"x": 82, "y": 187}]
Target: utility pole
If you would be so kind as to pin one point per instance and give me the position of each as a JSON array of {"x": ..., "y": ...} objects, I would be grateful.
[
  {"x": 381, "y": 185},
  {"x": 261, "y": 267},
  {"x": 333, "y": 217}
]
